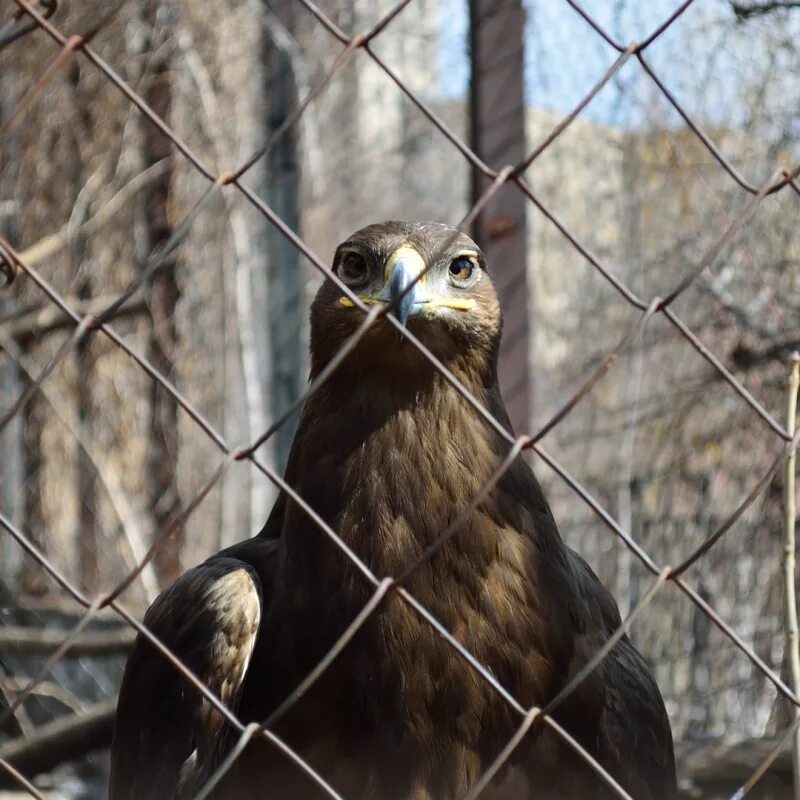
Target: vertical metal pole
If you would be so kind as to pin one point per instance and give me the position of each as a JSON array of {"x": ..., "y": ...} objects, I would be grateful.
[{"x": 498, "y": 137}]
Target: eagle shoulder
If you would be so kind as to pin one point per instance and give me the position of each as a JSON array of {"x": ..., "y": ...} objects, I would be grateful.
[{"x": 167, "y": 737}]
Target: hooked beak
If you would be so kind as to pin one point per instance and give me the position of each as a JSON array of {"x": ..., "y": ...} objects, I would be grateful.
[
  {"x": 403, "y": 269},
  {"x": 402, "y": 298}
]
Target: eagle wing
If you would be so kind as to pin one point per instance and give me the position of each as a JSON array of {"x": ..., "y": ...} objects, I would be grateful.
[
  {"x": 616, "y": 712},
  {"x": 167, "y": 737},
  {"x": 636, "y": 732},
  {"x": 633, "y": 738}
]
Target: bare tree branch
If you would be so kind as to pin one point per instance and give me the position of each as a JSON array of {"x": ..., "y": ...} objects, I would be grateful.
[
  {"x": 745, "y": 11},
  {"x": 106, "y": 473},
  {"x": 19, "y": 721},
  {"x": 63, "y": 740},
  {"x": 745, "y": 357},
  {"x": 42, "y": 320},
  {"x": 39, "y": 642},
  {"x": 792, "y": 654},
  {"x": 49, "y": 245},
  {"x": 15, "y": 686}
]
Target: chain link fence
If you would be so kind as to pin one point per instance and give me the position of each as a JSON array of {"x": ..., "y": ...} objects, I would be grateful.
[{"x": 186, "y": 171}]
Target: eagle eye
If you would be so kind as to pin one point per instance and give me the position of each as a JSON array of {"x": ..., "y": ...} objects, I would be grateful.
[
  {"x": 352, "y": 269},
  {"x": 462, "y": 270}
]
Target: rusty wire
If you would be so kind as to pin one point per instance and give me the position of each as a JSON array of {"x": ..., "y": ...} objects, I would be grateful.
[{"x": 29, "y": 18}]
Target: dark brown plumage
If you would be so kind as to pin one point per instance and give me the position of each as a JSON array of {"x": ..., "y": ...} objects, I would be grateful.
[{"x": 388, "y": 453}]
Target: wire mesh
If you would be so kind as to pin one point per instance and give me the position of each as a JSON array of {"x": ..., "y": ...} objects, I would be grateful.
[{"x": 88, "y": 324}]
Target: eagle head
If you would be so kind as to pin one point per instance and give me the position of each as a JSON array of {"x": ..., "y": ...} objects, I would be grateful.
[{"x": 435, "y": 283}]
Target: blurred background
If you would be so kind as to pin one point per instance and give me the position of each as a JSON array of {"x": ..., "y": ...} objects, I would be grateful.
[{"x": 101, "y": 459}]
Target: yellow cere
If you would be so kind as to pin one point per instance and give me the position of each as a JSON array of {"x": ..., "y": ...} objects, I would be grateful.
[
  {"x": 367, "y": 301},
  {"x": 453, "y": 302},
  {"x": 410, "y": 256},
  {"x": 437, "y": 302}
]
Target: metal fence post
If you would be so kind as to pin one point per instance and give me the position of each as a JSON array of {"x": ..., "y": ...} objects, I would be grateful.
[{"x": 497, "y": 111}]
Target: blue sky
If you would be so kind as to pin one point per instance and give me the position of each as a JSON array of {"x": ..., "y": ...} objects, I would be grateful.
[{"x": 704, "y": 57}]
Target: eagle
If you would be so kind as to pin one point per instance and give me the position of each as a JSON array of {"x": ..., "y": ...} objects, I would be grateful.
[{"x": 388, "y": 453}]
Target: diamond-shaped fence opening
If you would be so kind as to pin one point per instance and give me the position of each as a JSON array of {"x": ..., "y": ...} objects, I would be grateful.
[{"x": 174, "y": 175}]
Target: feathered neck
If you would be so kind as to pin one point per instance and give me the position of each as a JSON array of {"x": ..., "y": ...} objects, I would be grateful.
[{"x": 389, "y": 454}]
